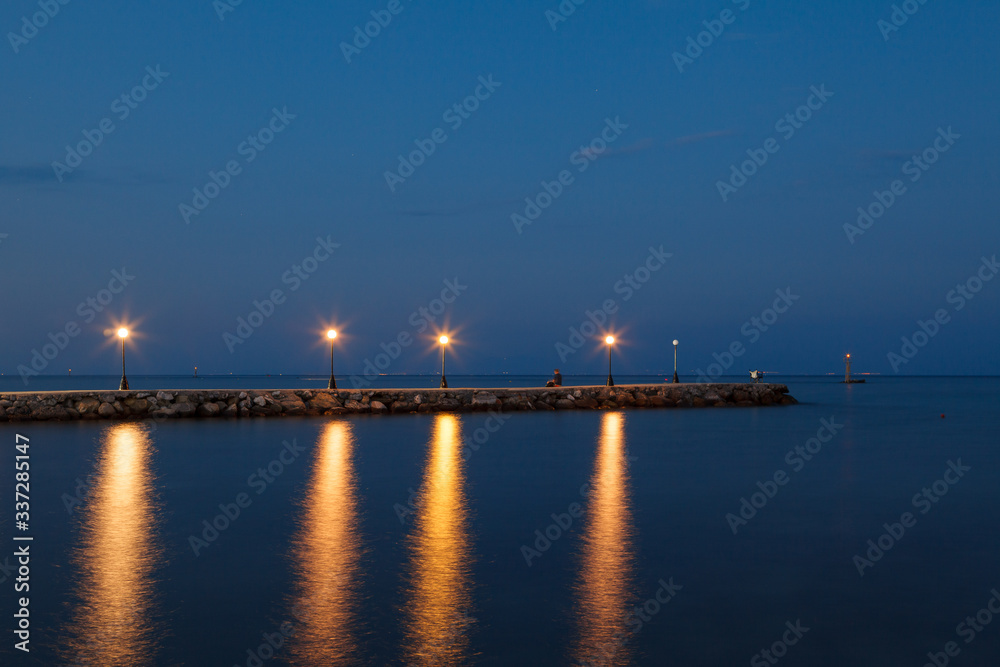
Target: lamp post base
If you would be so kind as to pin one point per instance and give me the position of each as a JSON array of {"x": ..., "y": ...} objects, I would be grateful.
[
  {"x": 611, "y": 381},
  {"x": 444, "y": 382},
  {"x": 676, "y": 381},
  {"x": 332, "y": 384},
  {"x": 124, "y": 384}
]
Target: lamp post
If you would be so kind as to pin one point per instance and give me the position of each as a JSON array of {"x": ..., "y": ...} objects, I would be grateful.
[
  {"x": 610, "y": 340},
  {"x": 331, "y": 334},
  {"x": 123, "y": 334},
  {"x": 676, "y": 381},
  {"x": 444, "y": 344}
]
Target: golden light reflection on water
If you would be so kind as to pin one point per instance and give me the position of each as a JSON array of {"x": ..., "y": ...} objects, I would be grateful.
[
  {"x": 439, "y": 598},
  {"x": 604, "y": 589},
  {"x": 327, "y": 557},
  {"x": 114, "y": 622}
]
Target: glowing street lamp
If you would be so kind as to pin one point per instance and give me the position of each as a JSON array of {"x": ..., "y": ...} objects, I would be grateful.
[
  {"x": 444, "y": 344},
  {"x": 610, "y": 340},
  {"x": 331, "y": 334},
  {"x": 123, "y": 334},
  {"x": 676, "y": 381}
]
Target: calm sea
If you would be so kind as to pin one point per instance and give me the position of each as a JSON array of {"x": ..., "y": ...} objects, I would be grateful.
[{"x": 649, "y": 537}]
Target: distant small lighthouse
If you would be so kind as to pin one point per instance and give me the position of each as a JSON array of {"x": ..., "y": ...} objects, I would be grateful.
[{"x": 847, "y": 372}]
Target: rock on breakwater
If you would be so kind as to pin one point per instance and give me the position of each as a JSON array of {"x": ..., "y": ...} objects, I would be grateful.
[{"x": 180, "y": 403}]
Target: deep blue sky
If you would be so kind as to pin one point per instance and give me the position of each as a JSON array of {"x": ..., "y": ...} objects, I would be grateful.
[{"x": 323, "y": 176}]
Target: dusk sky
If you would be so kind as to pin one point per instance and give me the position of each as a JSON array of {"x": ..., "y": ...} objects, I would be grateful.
[{"x": 641, "y": 124}]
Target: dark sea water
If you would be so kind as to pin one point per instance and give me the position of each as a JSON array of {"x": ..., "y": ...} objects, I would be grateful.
[{"x": 552, "y": 538}]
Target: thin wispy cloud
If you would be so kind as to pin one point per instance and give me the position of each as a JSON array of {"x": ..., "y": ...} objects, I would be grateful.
[
  {"x": 22, "y": 175},
  {"x": 873, "y": 155},
  {"x": 754, "y": 36},
  {"x": 448, "y": 211},
  {"x": 695, "y": 138},
  {"x": 26, "y": 174},
  {"x": 648, "y": 143},
  {"x": 611, "y": 151},
  {"x": 882, "y": 162}
]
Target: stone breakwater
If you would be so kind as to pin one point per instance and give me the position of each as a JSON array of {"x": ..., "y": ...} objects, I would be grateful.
[
  {"x": 71, "y": 405},
  {"x": 44, "y": 406}
]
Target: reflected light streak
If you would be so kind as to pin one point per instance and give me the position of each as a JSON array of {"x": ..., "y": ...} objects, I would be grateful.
[
  {"x": 439, "y": 595},
  {"x": 327, "y": 557},
  {"x": 604, "y": 588},
  {"x": 113, "y": 623}
]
